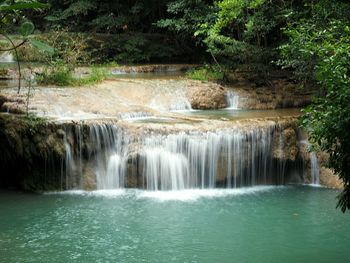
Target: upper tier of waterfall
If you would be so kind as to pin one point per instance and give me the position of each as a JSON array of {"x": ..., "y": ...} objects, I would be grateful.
[
  {"x": 232, "y": 100},
  {"x": 6, "y": 57}
]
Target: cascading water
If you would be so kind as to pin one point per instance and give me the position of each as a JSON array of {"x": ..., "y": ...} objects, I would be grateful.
[
  {"x": 186, "y": 160},
  {"x": 6, "y": 57},
  {"x": 105, "y": 148},
  {"x": 314, "y": 165},
  {"x": 315, "y": 169},
  {"x": 109, "y": 154},
  {"x": 135, "y": 115},
  {"x": 232, "y": 100},
  {"x": 225, "y": 158}
]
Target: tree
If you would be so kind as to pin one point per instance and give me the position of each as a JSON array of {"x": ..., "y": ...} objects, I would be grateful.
[
  {"x": 319, "y": 51},
  {"x": 11, "y": 20}
]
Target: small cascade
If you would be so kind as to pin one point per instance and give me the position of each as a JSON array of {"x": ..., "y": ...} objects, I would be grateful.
[
  {"x": 171, "y": 99},
  {"x": 6, "y": 57},
  {"x": 181, "y": 104},
  {"x": 109, "y": 147},
  {"x": 134, "y": 115},
  {"x": 94, "y": 155},
  {"x": 72, "y": 171},
  {"x": 69, "y": 165},
  {"x": 315, "y": 169},
  {"x": 282, "y": 164},
  {"x": 224, "y": 158},
  {"x": 232, "y": 100},
  {"x": 314, "y": 164}
]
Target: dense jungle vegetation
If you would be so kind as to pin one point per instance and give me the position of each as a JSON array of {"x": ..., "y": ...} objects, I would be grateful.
[{"x": 309, "y": 39}]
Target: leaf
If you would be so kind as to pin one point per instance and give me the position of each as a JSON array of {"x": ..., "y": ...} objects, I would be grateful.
[
  {"x": 26, "y": 29},
  {"x": 52, "y": 18},
  {"x": 42, "y": 46},
  {"x": 23, "y": 5}
]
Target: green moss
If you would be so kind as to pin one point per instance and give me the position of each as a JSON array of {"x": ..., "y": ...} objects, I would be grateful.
[
  {"x": 29, "y": 145},
  {"x": 206, "y": 73}
]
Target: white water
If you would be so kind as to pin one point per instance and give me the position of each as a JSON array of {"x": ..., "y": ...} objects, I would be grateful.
[
  {"x": 6, "y": 57},
  {"x": 232, "y": 158},
  {"x": 110, "y": 155},
  {"x": 232, "y": 100},
  {"x": 138, "y": 115},
  {"x": 195, "y": 194},
  {"x": 107, "y": 151},
  {"x": 194, "y": 160},
  {"x": 314, "y": 165},
  {"x": 187, "y": 195},
  {"x": 315, "y": 169}
]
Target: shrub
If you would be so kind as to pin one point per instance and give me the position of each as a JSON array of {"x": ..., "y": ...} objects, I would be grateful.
[{"x": 206, "y": 73}]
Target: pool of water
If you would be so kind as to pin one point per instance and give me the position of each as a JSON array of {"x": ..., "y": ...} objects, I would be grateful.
[
  {"x": 264, "y": 224},
  {"x": 233, "y": 114},
  {"x": 148, "y": 75}
]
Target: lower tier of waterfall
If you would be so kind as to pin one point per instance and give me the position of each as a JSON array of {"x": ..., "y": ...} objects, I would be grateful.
[{"x": 105, "y": 156}]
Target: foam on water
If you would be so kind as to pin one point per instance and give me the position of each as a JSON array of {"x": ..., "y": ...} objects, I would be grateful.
[
  {"x": 104, "y": 193},
  {"x": 195, "y": 194},
  {"x": 188, "y": 195}
]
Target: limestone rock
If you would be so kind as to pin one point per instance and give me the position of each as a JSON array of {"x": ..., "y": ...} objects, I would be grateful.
[
  {"x": 285, "y": 145},
  {"x": 329, "y": 179},
  {"x": 206, "y": 96}
]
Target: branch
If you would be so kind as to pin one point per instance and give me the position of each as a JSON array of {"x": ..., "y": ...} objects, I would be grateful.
[{"x": 14, "y": 47}]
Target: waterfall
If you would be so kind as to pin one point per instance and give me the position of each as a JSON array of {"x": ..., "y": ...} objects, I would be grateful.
[
  {"x": 232, "y": 100},
  {"x": 229, "y": 158},
  {"x": 314, "y": 164},
  {"x": 109, "y": 148},
  {"x": 181, "y": 104},
  {"x": 135, "y": 115},
  {"x": 315, "y": 169},
  {"x": 207, "y": 160},
  {"x": 101, "y": 149},
  {"x": 6, "y": 57}
]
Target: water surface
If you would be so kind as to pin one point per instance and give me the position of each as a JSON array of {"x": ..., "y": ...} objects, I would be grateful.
[{"x": 261, "y": 224}]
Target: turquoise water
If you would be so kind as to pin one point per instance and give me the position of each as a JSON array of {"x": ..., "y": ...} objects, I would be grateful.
[{"x": 264, "y": 224}]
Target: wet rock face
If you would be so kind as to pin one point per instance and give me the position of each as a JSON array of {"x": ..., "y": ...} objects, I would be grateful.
[
  {"x": 329, "y": 179},
  {"x": 285, "y": 144},
  {"x": 278, "y": 92},
  {"x": 30, "y": 151},
  {"x": 206, "y": 96}
]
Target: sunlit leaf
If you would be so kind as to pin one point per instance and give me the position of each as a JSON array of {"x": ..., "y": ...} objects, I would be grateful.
[{"x": 42, "y": 46}]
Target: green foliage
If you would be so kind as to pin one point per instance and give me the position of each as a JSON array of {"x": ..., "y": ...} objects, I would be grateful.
[
  {"x": 59, "y": 74},
  {"x": 132, "y": 48},
  {"x": 42, "y": 46},
  {"x": 11, "y": 17},
  {"x": 26, "y": 29},
  {"x": 106, "y": 16},
  {"x": 6, "y": 6},
  {"x": 207, "y": 73},
  {"x": 319, "y": 51},
  {"x": 33, "y": 123},
  {"x": 62, "y": 75},
  {"x": 97, "y": 75},
  {"x": 187, "y": 16},
  {"x": 243, "y": 33}
]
